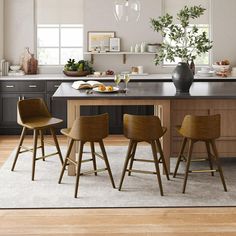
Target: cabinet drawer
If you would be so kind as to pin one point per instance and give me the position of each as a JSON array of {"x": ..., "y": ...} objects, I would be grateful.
[
  {"x": 32, "y": 86},
  {"x": 52, "y": 86},
  {"x": 9, "y": 86}
]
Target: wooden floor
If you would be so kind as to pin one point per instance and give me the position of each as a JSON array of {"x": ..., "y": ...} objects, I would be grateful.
[{"x": 163, "y": 222}]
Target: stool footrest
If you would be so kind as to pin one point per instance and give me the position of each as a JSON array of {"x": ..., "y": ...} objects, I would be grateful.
[
  {"x": 93, "y": 171},
  {"x": 98, "y": 155},
  {"x": 199, "y": 160},
  {"x": 143, "y": 160},
  {"x": 27, "y": 149},
  {"x": 142, "y": 171},
  {"x": 46, "y": 156},
  {"x": 87, "y": 160},
  {"x": 202, "y": 171}
]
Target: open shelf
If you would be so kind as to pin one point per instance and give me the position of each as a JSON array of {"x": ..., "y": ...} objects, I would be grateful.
[{"x": 117, "y": 53}]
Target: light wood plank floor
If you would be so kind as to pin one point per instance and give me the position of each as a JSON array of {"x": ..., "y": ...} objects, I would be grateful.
[{"x": 163, "y": 222}]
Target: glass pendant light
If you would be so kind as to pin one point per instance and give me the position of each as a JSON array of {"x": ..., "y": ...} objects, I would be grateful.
[{"x": 127, "y": 10}]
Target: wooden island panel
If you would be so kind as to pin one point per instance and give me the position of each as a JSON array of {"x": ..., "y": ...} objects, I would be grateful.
[{"x": 226, "y": 108}]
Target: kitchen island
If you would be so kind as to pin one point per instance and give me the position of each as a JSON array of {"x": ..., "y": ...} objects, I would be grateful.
[{"x": 205, "y": 98}]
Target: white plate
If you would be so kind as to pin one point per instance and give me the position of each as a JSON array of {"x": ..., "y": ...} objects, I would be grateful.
[
  {"x": 205, "y": 74},
  {"x": 115, "y": 89}
]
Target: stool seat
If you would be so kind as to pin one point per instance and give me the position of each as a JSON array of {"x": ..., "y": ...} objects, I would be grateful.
[
  {"x": 41, "y": 122},
  {"x": 144, "y": 129},
  {"x": 200, "y": 129},
  {"x": 92, "y": 129}
]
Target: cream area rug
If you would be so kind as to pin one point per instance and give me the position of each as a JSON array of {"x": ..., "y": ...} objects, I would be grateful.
[{"x": 18, "y": 191}]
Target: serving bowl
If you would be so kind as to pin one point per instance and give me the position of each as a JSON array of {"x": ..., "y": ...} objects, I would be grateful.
[
  {"x": 220, "y": 67},
  {"x": 15, "y": 67}
]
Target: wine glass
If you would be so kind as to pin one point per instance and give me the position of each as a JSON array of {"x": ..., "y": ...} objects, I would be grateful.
[
  {"x": 117, "y": 80},
  {"x": 126, "y": 80}
]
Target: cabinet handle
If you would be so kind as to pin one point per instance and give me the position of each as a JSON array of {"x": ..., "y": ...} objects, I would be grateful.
[
  {"x": 56, "y": 86},
  {"x": 32, "y": 86},
  {"x": 10, "y": 86}
]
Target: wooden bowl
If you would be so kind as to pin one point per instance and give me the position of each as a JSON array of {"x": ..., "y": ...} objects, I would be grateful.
[{"x": 76, "y": 73}]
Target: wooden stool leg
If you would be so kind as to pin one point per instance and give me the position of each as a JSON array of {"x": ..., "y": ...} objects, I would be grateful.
[
  {"x": 180, "y": 156},
  {"x": 34, "y": 153},
  {"x": 56, "y": 144},
  {"x": 133, "y": 151},
  {"x": 131, "y": 143},
  {"x": 94, "y": 157},
  {"x": 107, "y": 162},
  {"x": 209, "y": 156},
  {"x": 19, "y": 147},
  {"x": 154, "y": 153},
  {"x": 162, "y": 158},
  {"x": 42, "y": 143},
  {"x": 190, "y": 151},
  {"x": 79, "y": 162},
  {"x": 213, "y": 144},
  {"x": 71, "y": 142}
]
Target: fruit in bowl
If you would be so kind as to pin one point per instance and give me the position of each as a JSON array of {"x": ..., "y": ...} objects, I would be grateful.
[
  {"x": 80, "y": 68},
  {"x": 110, "y": 72}
]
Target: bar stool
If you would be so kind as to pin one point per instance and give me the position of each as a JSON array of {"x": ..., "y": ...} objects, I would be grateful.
[
  {"x": 34, "y": 115},
  {"x": 200, "y": 129},
  {"x": 92, "y": 129},
  {"x": 144, "y": 129}
]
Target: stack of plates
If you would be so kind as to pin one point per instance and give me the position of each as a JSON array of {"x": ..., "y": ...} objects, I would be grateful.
[{"x": 205, "y": 74}]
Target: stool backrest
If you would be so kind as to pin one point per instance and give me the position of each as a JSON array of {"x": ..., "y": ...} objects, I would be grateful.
[
  {"x": 201, "y": 127},
  {"x": 90, "y": 128},
  {"x": 31, "y": 108},
  {"x": 142, "y": 128}
]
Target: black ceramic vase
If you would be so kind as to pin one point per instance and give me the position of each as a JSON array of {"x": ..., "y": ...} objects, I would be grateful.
[{"x": 182, "y": 77}]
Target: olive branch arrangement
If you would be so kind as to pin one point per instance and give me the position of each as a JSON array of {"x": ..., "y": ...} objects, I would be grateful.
[{"x": 180, "y": 40}]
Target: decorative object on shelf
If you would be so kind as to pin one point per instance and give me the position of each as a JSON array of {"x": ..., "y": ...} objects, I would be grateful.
[
  {"x": 76, "y": 69},
  {"x": 99, "y": 41},
  {"x": 137, "y": 48},
  {"x": 127, "y": 10},
  {"x": 181, "y": 41},
  {"x": 4, "y": 67},
  {"x": 131, "y": 48},
  {"x": 153, "y": 47},
  {"x": 114, "y": 44},
  {"x": 30, "y": 63},
  {"x": 143, "y": 47}
]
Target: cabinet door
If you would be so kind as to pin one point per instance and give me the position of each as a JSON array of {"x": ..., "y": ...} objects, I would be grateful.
[
  {"x": 58, "y": 109},
  {"x": 8, "y": 110}
]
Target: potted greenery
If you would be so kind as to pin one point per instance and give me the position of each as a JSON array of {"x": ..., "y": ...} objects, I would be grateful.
[
  {"x": 80, "y": 68},
  {"x": 183, "y": 42}
]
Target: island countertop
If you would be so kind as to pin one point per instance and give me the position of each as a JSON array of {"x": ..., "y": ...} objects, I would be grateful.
[{"x": 154, "y": 90}]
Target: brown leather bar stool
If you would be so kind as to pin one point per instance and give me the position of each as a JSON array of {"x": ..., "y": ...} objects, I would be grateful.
[
  {"x": 34, "y": 115},
  {"x": 92, "y": 129},
  {"x": 144, "y": 129},
  {"x": 200, "y": 129}
]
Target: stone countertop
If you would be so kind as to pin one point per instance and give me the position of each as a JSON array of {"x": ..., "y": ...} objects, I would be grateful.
[
  {"x": 149, "y": 78},
  {"x": 157, "y": 90}
]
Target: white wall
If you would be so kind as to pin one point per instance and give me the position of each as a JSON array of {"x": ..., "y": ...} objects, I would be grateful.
[
  {"x": 224, "y": 30},
  {"x": 98, "y": 15},
  {"x": 19, "y": 28},
  {"x": 1, "y": 29}
]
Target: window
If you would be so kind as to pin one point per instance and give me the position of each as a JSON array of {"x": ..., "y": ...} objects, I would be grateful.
[
  {"x": 58, "y": 43},
  {"x": 59, "y": 31},
  {"x": 203, "y": 23}
]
